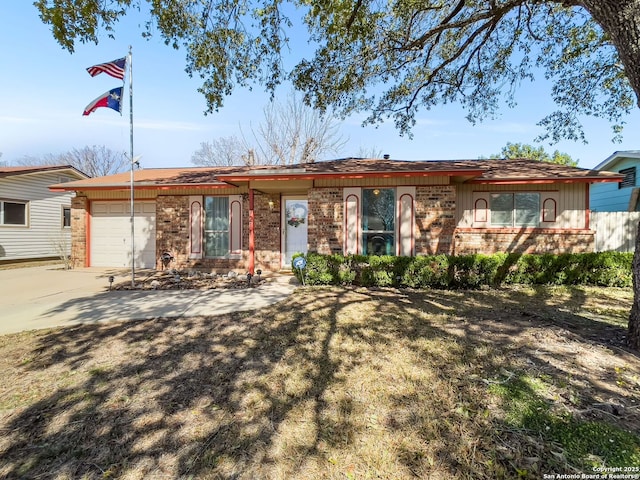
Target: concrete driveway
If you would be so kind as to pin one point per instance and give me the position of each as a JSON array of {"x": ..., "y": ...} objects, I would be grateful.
[{"x": 47, "y": 296}]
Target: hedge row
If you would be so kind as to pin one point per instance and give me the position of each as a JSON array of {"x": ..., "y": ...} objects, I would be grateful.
[{"x": 609, "y": 269}]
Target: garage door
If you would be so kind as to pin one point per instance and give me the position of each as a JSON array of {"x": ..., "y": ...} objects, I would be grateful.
[{"x": 111, "y": 234}]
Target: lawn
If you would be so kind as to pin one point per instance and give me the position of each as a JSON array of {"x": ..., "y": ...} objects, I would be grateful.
[{"x": 333, "y": 383}]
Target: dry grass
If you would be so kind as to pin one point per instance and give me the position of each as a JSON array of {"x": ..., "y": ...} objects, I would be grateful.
[{"x": 330, "y": 384}]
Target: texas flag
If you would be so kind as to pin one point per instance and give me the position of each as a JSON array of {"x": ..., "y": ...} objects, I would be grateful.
[{"x": 110, "y": 99}]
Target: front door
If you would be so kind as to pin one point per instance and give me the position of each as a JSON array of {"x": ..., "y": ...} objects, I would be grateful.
[{"x": 295, "y": 216}]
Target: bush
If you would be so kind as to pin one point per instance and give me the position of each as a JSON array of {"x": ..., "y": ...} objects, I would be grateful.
[{"x": 607, "y": 269}]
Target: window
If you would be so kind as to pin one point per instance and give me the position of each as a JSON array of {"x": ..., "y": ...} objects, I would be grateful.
[
  {"x": 66, "y": 217},
  {"x": 515, "y": 209},
  {"x": 629, "y": 179},
  {"x": 216, "y": 226},
  {"x": 378, "y": 221},
  {"x": 13, "y": 212}
]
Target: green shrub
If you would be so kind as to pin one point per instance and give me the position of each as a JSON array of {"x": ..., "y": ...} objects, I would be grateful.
[
  {"x": 427, "y": 272},
  {"x": 473, "y": 271},
  {"x": 608, "y": 269}
]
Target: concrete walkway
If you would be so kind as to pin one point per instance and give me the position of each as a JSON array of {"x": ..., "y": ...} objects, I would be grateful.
[{"x": 47, "y": 296}]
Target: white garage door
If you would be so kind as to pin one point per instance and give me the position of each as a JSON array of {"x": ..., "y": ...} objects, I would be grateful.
[{"x": 111, "y": 234}]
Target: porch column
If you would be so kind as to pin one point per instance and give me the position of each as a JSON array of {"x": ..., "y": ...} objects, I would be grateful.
[{"x": 252, "y": 244}]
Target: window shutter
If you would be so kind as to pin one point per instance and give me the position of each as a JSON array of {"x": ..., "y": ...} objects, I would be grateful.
[
  {"x": 235, "y": 224},
  {"x": 351, "y": 197},
  {"x": 406, "y": 221},
  {"x": 195, "y": 230},
  {"x": 481, "y": 213}
]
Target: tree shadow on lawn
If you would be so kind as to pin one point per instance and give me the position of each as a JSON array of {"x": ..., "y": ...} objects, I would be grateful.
[{"x": 327, "y": 384}]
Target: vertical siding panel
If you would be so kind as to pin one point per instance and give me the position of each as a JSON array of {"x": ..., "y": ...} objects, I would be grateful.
[{"x": 615, "y": 230}]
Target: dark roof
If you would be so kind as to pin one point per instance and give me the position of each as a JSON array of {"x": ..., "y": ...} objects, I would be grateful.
[
  {"x": 533, "y": 170},
  {"x": 484, "y": 171}
]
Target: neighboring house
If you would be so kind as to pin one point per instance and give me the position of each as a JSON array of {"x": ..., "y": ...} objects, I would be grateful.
[
  {"x": 623, "y": 196},
  {"x": 34, "y": 221},
  {"x": 245, "y": 218}
]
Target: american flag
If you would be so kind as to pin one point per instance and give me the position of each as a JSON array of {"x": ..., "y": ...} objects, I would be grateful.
[{"x": 114, "y": 68}]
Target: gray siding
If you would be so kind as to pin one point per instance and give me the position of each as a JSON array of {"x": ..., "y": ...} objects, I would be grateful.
[{"x": 44, "y": 216}]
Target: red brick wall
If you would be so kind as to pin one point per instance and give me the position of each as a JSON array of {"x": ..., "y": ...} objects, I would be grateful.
[
  {"x": 173, "y": 230},
  {"x": 79, "y": 218},
  {"x": 435, "y": 230},
  {"x": 469, "y": 241},
  {"x": 435, "y": 219},
  {"x": 267, "y": 231},
  {"x": 326, "y": 211}
]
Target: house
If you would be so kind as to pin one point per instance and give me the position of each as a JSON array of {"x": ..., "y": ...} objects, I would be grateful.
[
  {"x": 623, "y": 196},
  {"x": 245, "y": 218},
  {"x": 35, "y": 222},
  {"x": 615, "y": 207}
]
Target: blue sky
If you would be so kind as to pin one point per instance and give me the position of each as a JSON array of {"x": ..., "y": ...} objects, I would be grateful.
[{"x": 45, "y": 90}]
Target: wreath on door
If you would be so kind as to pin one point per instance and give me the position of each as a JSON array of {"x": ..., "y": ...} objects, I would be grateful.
[{"x": 296, "y": 214}]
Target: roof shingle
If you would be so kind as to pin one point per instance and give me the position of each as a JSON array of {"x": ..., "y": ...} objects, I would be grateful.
[{"x": 482, "y": 171}]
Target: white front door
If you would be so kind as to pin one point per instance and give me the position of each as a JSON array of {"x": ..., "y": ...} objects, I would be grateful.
[{"x": 295, "y": 218}]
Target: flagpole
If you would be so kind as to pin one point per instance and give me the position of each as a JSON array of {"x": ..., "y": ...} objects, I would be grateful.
[{"x": 133, "y": 248}]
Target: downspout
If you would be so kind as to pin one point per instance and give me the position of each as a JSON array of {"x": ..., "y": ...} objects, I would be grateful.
[{"x": 252, "y": 243}]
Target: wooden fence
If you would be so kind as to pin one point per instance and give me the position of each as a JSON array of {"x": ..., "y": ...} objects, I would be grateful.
[{"x": 615, "y": 230}]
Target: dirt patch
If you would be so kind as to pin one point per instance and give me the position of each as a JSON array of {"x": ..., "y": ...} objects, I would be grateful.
[
  {"x": 330, "y": 384},
  {"x": 191, "y": 280}
]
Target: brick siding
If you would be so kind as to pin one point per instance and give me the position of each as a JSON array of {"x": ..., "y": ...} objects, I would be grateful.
[
  {"x": 435, "y": 219},
  {"x": 79, "y": 217},
  {"x": 434, "y": 230},
  {"x": 523, "y": 241},
  {"x": 267, "y": 231},
  {"x": 173, "y": 230},
  {"x": 325, "y": 226}
]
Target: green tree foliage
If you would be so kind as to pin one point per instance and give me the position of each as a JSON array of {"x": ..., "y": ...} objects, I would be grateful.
[
  {"x": 393, "y": 59},
  {"x": 522, "y": 150}
]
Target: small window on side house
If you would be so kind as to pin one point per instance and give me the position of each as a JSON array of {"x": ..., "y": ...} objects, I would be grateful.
[
  {"x": 66, "y": 217},
  {"x": 13, "y": 213},
  {"x": 629, "y": 179}
]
